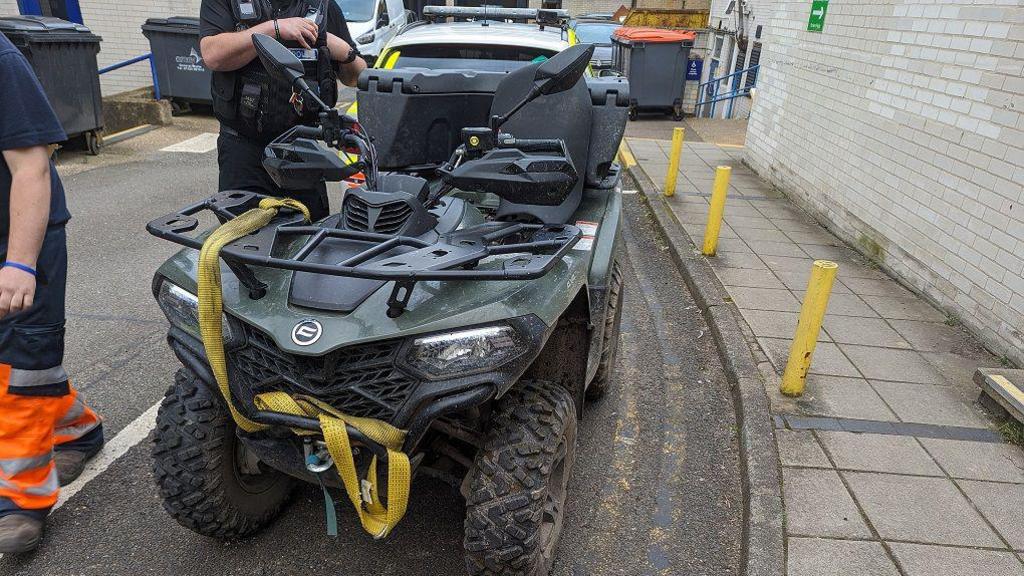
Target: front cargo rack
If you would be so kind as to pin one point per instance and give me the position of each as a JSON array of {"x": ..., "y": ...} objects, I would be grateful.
[{"x": 535, "y": 249}]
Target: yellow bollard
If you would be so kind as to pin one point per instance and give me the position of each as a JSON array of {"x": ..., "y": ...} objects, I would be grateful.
[
  {"x": 823, "y": 275},
  {"x": 714, "y": 225},
  {"x": 678, "y": 135}
]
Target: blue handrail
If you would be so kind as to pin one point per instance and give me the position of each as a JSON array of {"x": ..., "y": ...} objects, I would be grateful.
[
  {"x": 710, "y": 90},
  {"x": 152, "y": 70}
]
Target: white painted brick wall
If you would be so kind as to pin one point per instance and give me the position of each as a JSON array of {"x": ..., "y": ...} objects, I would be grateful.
[
  {"x": 119, "y": 23},
  {"x": 901, "y": 126}
]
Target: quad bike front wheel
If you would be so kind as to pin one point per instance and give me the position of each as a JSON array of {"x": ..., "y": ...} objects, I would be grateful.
[
  {"x": 209, "y": 481},
  {"x": 517, "y": 487},
  {"x": 610, "y": 338}
]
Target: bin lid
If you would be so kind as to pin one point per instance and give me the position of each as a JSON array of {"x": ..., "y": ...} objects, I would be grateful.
[
  {"x": 188, "y": 24},
  {"x": 654, "y": 35},
  {"x": 39, "y": 24}
]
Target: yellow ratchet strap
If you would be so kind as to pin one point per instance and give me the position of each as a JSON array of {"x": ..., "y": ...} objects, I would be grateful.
[{"x": 376, "y": 519}]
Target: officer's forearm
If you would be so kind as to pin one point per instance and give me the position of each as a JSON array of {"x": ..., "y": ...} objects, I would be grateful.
[
  {"x": 349, "y": 73},
  {"x": 229, "y": 51},
  {"x": 30, "y": 203}
]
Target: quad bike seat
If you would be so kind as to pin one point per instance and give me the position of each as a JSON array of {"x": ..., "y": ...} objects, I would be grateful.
[{"x": 416, "y": 116}]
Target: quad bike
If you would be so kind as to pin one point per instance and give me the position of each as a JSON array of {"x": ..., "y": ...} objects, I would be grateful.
[{"x": 451, "y": 320}]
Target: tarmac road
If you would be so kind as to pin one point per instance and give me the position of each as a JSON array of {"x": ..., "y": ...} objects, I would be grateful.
[{"x": 655, "y": 489}]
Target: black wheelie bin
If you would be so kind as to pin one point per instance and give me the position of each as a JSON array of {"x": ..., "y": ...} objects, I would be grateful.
[
  {"x": 654, "y": 60},
  {"x": 63, "y": 55},
  {"x": 183, "y": 77}
]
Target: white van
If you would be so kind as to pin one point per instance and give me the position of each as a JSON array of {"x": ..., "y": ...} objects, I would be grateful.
[{"x": 373, "y": 23}]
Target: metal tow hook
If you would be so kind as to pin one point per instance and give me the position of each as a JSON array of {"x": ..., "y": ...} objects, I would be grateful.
[{"x": 318, "y": 458}]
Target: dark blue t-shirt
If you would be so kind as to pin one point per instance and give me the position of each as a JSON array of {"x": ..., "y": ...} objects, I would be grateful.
[{"x": 26, "y": 120}]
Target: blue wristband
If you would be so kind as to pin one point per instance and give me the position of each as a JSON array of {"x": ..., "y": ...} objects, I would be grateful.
[{"x": 21, "y": 267}]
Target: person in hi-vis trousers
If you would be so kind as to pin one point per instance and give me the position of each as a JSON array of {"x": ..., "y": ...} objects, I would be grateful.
[{"x": 46, "y": 432}]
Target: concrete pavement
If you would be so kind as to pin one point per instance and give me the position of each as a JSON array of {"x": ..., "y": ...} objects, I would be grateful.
[{"x": 889, "y": 464}]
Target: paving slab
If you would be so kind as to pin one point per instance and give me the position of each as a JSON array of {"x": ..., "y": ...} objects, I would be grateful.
[
  {"x": 873, "y": 287},
  {"x": 773, "y": 324},
  {"x": 733, "y": 245},
  {"x": 840, "y": 304},
  {"x": 828, "y": 360},
  {"x": 978, "y": 461},
  {"x": 843, "y": 398},
  {"x": 933, "y": 336},
  {"x": 764, "y": 299},
  {"x": 864, "y": 331},
  {"x": 817, "y": 504},
  {"x": 923, "y": 560},
  {"x": 765, "y": 248},
  {"x": 749, "y": 278},
  {"x": 736, "y": 260},
  {"x": 890, "y": 364},
  {"x": 796, "y": 280},
  {"x": 1002, "y": 505},
  {"x": 826, "y": 557},
  {"x": 776, "y": 263},
  {"x": 754, "y": 235},
  {"x": 813, "y": 236},
  {"x": 879, "y": 453},
  {"x": 919, "y": 509},
  {"x": 928, "y": 404},
  {"x": 897, "y": 307},
  {"x": 800, "y": 448}
]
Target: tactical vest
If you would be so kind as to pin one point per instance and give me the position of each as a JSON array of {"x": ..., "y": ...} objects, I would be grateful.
[{"x": 253, "y": 103}]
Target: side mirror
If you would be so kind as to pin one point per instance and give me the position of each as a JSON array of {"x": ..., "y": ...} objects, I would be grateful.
[
  {"x": 559, "y": 73},
  {"x": 563, "y": 70},
  {"x": 384, "y": 20},
  {"x": 278, "y": 60}
]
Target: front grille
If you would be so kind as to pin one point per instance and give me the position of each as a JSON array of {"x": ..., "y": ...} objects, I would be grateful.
[
  {"x": 386, "y": 219},
  {"x": 358, "y": 380}
]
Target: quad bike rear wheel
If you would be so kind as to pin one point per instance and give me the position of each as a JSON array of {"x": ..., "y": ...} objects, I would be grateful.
[
  {"x": 610, "y": 339},
  {"x": 209, "y": 481},
  {"x": 517, "y": 486}
]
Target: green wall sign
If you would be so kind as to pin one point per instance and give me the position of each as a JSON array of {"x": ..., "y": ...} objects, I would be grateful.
[{"x": 817, "y": 20}]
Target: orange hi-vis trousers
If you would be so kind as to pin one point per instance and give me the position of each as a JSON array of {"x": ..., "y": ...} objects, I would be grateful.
[
  {"x": 39, "y": 410},
  {"x": 31, "y": 426}
]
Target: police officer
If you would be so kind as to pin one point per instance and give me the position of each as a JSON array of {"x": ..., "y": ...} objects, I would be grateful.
[
  {"x": 252, "y": 107},
  {"x": 39, "y": 410}
]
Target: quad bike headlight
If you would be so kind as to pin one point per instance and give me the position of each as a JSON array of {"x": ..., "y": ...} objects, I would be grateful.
[
  {"x": 465, "y": 352},
  {"x": 182, "y": 310}
]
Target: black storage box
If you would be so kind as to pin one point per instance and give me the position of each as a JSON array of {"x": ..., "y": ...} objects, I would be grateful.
[
  {"x": 63, "y": 55},
  {"x": 183, "y": 77}
]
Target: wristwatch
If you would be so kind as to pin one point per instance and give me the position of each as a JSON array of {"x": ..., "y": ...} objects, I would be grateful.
[{"x": 352, "y": 55}]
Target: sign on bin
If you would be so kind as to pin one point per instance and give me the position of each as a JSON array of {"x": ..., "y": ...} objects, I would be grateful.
[
  {"x": 816, "y": 23},
  {"x": 192, "y": 62},
  {"x": 693, "y": 69}
]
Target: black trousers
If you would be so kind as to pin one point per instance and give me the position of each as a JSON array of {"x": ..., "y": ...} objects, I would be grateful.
[{"x": 241, "y": 168}]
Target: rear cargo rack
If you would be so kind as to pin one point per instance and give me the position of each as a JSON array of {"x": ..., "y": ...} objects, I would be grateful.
[{"x": 534, "y": 249}]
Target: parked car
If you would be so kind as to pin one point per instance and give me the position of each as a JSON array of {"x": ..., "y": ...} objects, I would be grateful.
[
  {"x": 599, "y": 33},
  {"x": 373, "y": 23},
  {"x": 482, "y": 45}
]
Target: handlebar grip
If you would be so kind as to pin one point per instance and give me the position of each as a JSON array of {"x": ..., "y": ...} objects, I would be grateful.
[
  {"x": 533, "y": 144},
  {"x": 308, "y": 131}
]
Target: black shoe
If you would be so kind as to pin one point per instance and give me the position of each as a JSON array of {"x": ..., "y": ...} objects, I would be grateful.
[
  {"x": 72, "y": 457},
  {"x": 19, "y": 533}
]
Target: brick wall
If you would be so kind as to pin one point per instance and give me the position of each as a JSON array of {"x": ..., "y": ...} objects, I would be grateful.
[
  {"x": 900, "y": 126},
  {"x": 119, "y": 22}
]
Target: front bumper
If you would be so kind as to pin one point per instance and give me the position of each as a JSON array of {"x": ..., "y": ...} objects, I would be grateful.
[{"x": 367, "y": 380}]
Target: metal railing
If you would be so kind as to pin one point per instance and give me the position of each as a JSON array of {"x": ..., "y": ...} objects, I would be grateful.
[
  {"x": 710, "y": 91},
  {"x": 152, "y": 70}
]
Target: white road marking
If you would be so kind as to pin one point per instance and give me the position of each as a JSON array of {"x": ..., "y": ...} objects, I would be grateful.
[
  {"x": 201, "y": 144},
  {"x": 128, "y": 437},
  {"x": 629, "y": 191}
]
